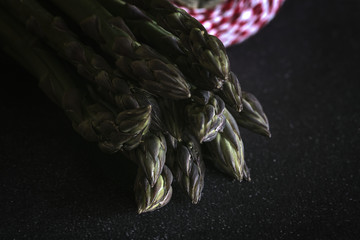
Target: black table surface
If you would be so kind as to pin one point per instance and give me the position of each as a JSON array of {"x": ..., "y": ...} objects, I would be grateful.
[{"x": 304, "y": 67}]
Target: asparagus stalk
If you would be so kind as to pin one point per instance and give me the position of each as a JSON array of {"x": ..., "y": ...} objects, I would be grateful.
[
  {"x": 145, "y": 98},
  {"x": 205, "y": 116},
  {"x": 151, "y": 198},
  {"x": 151, "y": 156},
  {"x": 252, "y": 116},
  {"x": 143, "y": 64},
  {"x": 114, "y": 133},
  {"x": 227, "y": 150},
  {"x": 209, "y": 50},
  {"x": 231, "y": 93},
  {"x": 189, "y": 167},
  {"x": 173, "y": 121}
]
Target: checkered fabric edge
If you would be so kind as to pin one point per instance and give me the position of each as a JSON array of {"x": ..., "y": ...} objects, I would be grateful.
[{"x": 236, "y": 20}]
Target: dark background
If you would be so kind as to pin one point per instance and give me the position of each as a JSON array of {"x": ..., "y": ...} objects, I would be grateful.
[{"x": 304, "y": 67}]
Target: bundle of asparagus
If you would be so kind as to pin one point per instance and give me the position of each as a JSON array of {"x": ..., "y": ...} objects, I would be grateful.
[{"x": 142, "y": 79}]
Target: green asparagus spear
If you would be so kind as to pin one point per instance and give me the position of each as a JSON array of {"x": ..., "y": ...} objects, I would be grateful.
[
  {"x": 205, "y": 116},
  {"x": 151, "y": 156},
  {"x": 151, "y": 198},
  {"x": 209, "y": 50},
  {"x": 252, "y": 116},
  {"x": 189, "y": 168},
  {"x": 231, "y": 93},
  {"x": 173, "y": 122},
  {"x": 227, "y": 150}
]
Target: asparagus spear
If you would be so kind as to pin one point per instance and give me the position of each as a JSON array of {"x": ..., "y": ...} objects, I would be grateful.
[
  {"x": 173, "y": 121},
  {"x": 227, "y": 150},
  {"x": 151, "y": 198},
  {"x": 171, "y": 143},
  {"x": 205, "y": 116},
  {"x": 123, "y": 132},
  {"x": 143, "y": 64},
  {"x": 189, "y": 168},
  {"x": 252, "y": 116},
  {"x": 151, "y": 156},
  {"x": 231, "y": 93},
  {"x": 209, "y": 50}
]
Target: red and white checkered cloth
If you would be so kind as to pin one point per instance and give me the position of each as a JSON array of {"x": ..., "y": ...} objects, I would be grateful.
[{"x": 236, "y": 20}]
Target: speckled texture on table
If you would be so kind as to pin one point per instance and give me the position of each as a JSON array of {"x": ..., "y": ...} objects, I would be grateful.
[{"x": 304, "y": 67}]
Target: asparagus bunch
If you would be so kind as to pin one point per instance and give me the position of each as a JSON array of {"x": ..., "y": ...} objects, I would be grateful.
[{"x": 142, "y": 79}]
